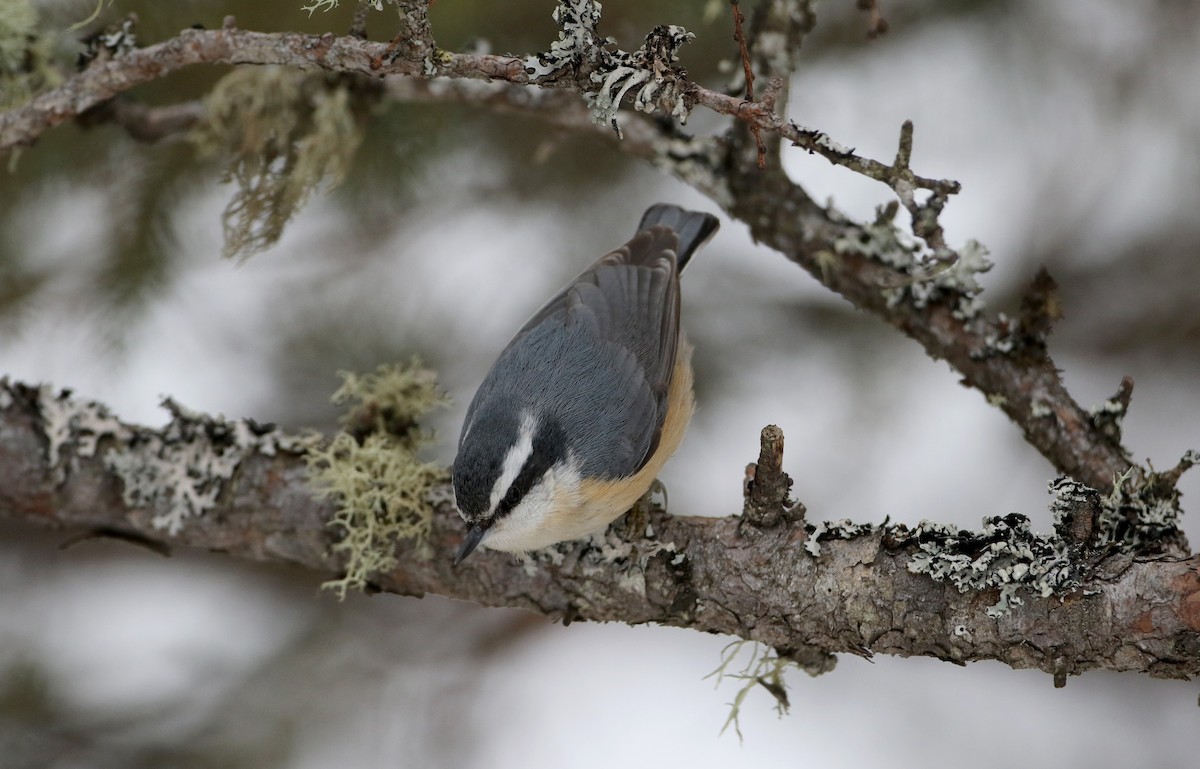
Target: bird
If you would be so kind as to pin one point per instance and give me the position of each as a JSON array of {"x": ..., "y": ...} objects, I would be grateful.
[{"x": 585, "y": 405}]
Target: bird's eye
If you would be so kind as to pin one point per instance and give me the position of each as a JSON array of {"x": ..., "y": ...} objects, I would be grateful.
[{"x": 511, "y": 498}]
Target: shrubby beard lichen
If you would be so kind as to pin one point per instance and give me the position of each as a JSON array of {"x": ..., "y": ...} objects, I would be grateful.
[
  {"x": 284, "y": 134},
  {"x": 25, "y": 54},
  {"x": 765, "y": 668},
  {"x": 372, "y": 471}
]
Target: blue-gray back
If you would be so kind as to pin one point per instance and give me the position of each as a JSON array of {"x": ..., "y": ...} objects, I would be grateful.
[{"x": 599, "y": 357}]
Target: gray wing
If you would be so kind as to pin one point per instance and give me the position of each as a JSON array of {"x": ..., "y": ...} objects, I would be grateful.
[
  {"x": 617, "y": 327},
  {"x": 633, "y": 295}
]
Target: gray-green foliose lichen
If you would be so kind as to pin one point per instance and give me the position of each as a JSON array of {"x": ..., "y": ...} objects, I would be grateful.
[
  {"x": 607, "y": 555},
  {"x": 178, "y": 471},
  {"x": 1008, "y": 555},
  {"x": 827, "y": 530},
  {"x": 928, "y": 280},
  {"x": 647, "y": 74},
  {"x": 1131, "y": 517}
]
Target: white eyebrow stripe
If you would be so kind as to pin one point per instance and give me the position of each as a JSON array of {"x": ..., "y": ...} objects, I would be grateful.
[{"x": 514, "y": 460}]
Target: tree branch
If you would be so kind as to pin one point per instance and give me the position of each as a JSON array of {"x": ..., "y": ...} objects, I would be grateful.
[{"x": 66, "y": 464}]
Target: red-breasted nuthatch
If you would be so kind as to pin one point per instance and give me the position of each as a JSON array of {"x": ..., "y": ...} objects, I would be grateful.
[{"x": 584, "y": 407}]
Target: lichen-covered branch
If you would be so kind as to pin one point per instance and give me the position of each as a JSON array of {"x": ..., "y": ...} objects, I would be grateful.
[
  {"x": 579, "y": 62},
  {"x": 809, "y": 592}
]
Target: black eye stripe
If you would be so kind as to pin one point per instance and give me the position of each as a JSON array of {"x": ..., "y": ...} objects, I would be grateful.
[{"x": 548, "y": 447}]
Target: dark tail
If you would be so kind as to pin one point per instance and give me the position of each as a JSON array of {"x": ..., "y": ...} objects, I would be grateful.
[{"x": 694, "y": 228}]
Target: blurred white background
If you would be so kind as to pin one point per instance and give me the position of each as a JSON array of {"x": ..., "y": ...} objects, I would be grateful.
[{"x": 1074, "y": 128}]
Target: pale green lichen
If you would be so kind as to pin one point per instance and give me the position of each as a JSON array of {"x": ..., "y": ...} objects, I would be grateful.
[
  {"x": 25, "y": 55},
  {"x": 764, "y": 668},
  {"x": 285, "y": 134},
  {"x": 382, "y": 489},
  {"x": 389, "y": 401}
]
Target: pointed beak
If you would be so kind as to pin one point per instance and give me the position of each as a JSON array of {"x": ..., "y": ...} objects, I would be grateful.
[{"x": 474, "y": 537}]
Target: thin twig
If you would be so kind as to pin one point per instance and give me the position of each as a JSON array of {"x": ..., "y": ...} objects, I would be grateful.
[
  {"x": 744, "y": 52},
  {"x": 877, "y": 26},
  {"x": 358, "y": 25}
]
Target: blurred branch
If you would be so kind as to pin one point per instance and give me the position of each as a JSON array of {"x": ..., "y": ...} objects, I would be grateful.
[
  {"x": 759, "y": 580},
  {"x": 145, "y": 123}
]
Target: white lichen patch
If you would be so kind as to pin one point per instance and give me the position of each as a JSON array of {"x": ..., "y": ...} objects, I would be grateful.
[
  {"x": 328, "y": 5},
  {"x": 75, "y": 427},
  {"x": 651, "y": 70},
  {"x": 179, "y": 471},
  {"x": 822, "y": 141},
  {"x": 827, "y": 530},
  {"x": 605, "y": 555},
  {"x": 1006, "y": 554},
  {"x": 1040, "y": 409},
  {"x": 881, "y": 241},
  {"x": 648, "y": 76},
  {"x": 1130, "y": 517},
  {"x": 930, "y": 276},
  {"x": 1108, "y": 416},
  {"x": 696, "y": 161},
  {"x": 961, "y": 275},
  {"x": 577, "y": 40}
]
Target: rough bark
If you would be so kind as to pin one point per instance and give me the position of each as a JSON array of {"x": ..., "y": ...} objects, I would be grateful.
[{"x": 719, "y": 575}]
